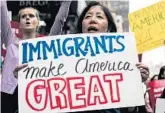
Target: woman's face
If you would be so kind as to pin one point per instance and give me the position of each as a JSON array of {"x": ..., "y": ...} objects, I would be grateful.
[
  {"x": 28, "y": 19},
  {"x": 95, "y": 21}
]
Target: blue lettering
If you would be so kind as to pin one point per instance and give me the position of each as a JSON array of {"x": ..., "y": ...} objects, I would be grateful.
[
  {"x": 34, "y": 49},
  {"x": 120, "y": 43},
  {"x": 59, "y": 47},
  {"x": 110, "y": 42},
  {"x": 48, "y": 48},
  {"x": 71, "y": 48},
  {"x": 24, "y": 53},
  {"x": 101, "y": 44},
  {"x": 88, "y": 46},
  {"x": 78, "y": 46}
]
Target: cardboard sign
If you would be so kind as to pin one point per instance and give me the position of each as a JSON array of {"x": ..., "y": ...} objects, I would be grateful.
[
  {"x": 160, "y": 105},
  {"x": 156, "y": 89},
  {"x": 149, "y": 26},
  {"x": 69, "y": 73}
]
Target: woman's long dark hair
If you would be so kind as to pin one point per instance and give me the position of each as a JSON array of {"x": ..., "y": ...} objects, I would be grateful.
[
  {"x": 161, "y": 72},
  {"x": 153, "y": 78},
  {"x": 163, "y": 94},
  {"x": 111, "y": 23}
]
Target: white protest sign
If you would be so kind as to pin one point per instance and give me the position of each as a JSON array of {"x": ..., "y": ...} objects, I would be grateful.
[
  {"x": 68, "y": 73},
  {"x": 160, "y": 105}
]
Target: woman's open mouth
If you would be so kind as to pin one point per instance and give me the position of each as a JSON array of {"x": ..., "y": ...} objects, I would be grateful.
[
  {"x": 92, "y": 29},
  {"x": 27, "y": 23}
]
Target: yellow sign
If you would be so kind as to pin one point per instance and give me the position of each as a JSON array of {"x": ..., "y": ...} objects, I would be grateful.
[{"x": 148, "y": 24}]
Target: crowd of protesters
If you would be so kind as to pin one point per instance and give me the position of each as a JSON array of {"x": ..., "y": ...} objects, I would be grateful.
[{"x": 95, "y": 18}]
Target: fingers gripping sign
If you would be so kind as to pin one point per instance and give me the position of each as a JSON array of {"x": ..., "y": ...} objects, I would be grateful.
[{"x": 18, "y": 68}]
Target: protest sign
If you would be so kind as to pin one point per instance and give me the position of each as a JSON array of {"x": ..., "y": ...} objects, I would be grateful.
[
  {"x": 160, "y": 105},
  {"x": 156, "y": 88},
  {"x": 149, "y": 26},
  {"x": 69, "y": 73}
]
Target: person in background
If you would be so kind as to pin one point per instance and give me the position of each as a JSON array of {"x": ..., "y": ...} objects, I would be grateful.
[
  {"x": 29, "y": 21},
  {"x": 160, "y": 76},
  {"x": 146, "y": 95},
  {"x": 161, "y": 73}
]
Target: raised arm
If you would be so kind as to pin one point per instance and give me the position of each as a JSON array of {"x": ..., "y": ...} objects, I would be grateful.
[
  {"x": 6, "y": 32},
  {"x": 60, "y": 19}
]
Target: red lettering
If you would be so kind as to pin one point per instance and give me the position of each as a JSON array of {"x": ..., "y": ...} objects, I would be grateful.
[
  {"x": 73, "y": 92},
  {"x": 113, "y": 80},
  {"x": 96, "y": 91},
  {"x": 36, "y": 95},
  {"x": 76, "y": 92},
  {"x": 56, "y": 87}
]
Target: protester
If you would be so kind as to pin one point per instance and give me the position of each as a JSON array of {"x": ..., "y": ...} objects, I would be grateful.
[
  {"x": 96, "y": 18},
  {"x": 146, "y": 95},
  {"x": 160, "y": 76},
  {"x": 29, "y": 21}
]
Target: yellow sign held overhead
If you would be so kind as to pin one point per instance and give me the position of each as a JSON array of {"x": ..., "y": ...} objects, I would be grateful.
[{"x": 148, "y": 24}]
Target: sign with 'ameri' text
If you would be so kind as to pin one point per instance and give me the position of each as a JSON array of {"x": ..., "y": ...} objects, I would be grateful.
[
  {"x": 149, "y": 26},
  {"x": 69, "y": 73}
]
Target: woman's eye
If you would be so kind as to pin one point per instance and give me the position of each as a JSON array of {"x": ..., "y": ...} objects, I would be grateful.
[
  {"x": 23, "y": 16},
  {"x": 100, "y": 17},
  {"x": 87, "y": 16},
  {"x": 31, "y": 15}
]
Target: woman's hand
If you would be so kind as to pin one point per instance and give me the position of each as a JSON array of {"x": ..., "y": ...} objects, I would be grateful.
[
  {"x": 144, "y": 70},
  {"x": 18, "y": 68}
]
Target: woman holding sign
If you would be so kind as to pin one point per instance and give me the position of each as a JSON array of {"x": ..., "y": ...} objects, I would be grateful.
[
  {"x": 96, "y": 18},
  {"x": 29, "y": 21}
]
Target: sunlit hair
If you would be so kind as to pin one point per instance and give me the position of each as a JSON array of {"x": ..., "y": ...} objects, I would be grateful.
[{"x": 36, "y": 12}]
